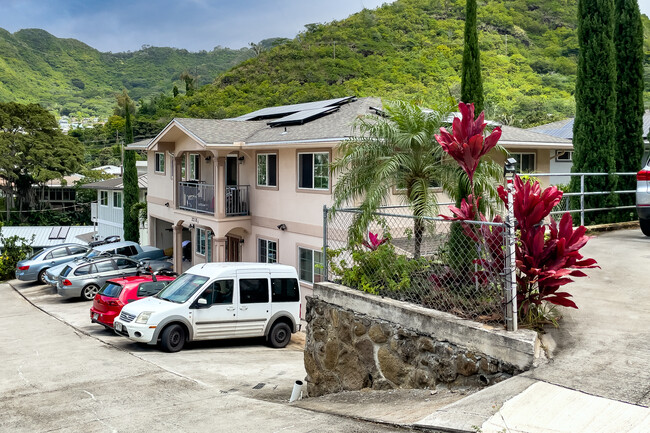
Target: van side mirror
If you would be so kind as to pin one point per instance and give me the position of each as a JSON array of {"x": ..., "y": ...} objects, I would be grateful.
[{"x": 202, "y": 302}]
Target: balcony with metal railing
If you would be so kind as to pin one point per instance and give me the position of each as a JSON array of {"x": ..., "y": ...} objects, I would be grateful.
[{"x": 197, "y": 196}]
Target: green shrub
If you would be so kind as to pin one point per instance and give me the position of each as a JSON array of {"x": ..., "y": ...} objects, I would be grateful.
[{"x": 14, "y": 250}]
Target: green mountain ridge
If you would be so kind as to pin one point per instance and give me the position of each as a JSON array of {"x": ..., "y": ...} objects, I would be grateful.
[
  {"x": 412, "y": 49},
  {"x": 68, "y": 76}
]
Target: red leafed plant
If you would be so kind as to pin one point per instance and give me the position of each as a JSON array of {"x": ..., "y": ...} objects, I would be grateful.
[
  {"x": 544, "y": 264},
  {"x": 375, "y": 242}
]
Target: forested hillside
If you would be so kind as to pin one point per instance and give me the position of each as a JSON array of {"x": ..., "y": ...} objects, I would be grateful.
[
  {"x": 67, "y": 76},
  {"x": 413, "y": 49}
]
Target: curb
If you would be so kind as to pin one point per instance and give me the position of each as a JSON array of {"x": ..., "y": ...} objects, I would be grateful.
[{"x": 599, "y": 228}]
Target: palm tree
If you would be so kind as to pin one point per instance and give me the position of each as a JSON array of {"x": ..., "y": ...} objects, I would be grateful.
[{"x": 397, "y": 149}]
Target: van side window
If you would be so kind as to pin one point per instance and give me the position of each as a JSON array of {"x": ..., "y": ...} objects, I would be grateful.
[
  {"x": 284, "y": 290},
  {"x": 253, "y": 290},
  {"x": 223, "y": 291}
]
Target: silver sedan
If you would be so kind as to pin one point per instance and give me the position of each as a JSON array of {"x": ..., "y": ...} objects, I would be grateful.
[{"x": 34, "y": 268}]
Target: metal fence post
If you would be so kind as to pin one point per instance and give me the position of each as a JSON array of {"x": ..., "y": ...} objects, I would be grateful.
[
  {"x": 509, "y": 271},
  {"x": 325, "y": 265},
  {"x": 582, "y": 199}
]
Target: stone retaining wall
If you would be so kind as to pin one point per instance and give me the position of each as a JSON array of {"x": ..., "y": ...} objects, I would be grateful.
[{"x": 356, "y": 341}]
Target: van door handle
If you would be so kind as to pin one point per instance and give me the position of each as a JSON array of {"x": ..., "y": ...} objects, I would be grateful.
[
  {"x": 243, "y": 308},
  {"x": 230, "y": 309}
]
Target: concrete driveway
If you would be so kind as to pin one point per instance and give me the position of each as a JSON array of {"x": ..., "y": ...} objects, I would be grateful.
[
  {"x": 62, "y": 373},
  {"x": 603, "y": 348}
]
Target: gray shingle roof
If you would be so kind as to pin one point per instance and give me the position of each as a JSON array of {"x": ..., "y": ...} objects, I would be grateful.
[
  {"x": 115, "y": 183},
  {"x": 220, "y": 131},
  {"x": 511, "y": 135}
]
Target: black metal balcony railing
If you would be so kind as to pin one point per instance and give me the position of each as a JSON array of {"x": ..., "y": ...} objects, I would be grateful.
[
  {"x": 196, "y": 196},
  {"x": 237, "y": 200}
]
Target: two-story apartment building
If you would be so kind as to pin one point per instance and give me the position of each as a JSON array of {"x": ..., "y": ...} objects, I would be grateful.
[{"x": 253, "y": 188}]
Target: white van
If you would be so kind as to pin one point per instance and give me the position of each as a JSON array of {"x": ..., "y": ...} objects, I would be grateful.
[{"x": 217, "y": 301}]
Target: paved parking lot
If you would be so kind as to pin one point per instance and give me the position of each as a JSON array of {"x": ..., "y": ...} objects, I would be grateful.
[{"x": 58, "y": 377}]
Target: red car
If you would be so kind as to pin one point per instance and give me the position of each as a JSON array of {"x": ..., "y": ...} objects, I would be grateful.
[{"x": 120, "y": 291}]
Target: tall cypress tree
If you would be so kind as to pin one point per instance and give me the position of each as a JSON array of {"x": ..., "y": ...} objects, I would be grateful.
[
  {"x": 594, "y": 129},
  {"x": 471, "y": 85},
  {"x": 628, "y": 41},
  {"x": 130, "y": 182}
]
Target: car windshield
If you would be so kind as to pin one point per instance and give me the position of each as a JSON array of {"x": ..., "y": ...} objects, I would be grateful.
[
  {"x": 182, "y": 288},
  {"x": 111, "y": 290}
]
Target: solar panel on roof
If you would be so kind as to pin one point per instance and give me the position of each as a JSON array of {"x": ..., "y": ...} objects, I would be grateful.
[
  {"x": 285, "y": 110},
  {"x": 59, "y": 232},
  {"x": 302, "y": 116}
]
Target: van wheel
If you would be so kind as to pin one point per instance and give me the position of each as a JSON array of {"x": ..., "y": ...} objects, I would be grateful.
[
  {"x": 280, "y": 335},
  {"x": 88, "y": 293},
  {"x": 172, "y": 338}
]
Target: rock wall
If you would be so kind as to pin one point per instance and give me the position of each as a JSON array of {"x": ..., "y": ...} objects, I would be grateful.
[{"x": 349, "y": 350}]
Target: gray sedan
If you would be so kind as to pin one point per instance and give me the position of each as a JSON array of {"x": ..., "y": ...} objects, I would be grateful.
[
  {"x": 34, "y": 268},
  {"x": 85, "y": 278}
]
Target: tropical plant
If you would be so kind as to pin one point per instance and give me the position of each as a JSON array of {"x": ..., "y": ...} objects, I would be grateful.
[
  {"x": 397, "y": 150},
  {"x": 14, "y": 249}
]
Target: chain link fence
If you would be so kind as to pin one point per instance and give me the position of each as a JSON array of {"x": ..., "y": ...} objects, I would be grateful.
[{"x": 450, "y": 266}]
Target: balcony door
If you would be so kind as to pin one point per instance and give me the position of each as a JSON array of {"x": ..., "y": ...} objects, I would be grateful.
[
  {"x": 232, "y": 249},
  {"x": 231, "y": 170}
]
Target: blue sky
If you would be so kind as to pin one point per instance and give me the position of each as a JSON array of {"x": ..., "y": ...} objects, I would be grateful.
[{"x": 121, "y": 25}]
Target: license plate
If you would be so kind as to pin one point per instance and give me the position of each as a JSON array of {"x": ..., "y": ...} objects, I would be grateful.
[
  {"x": 95, "y": 316},
  {"x": 118, "y": 326}
]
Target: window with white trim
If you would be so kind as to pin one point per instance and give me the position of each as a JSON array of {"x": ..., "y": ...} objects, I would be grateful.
[
  {"x": 195, "y": 160},
  {"x": 160, "y": 162},
  {"x": 267, "y": 251},
  {"x": 310, "y": 265},
  {"x": 525, "y": 162},
  {"x": 200, "y": 241},
  {"x": 267, "y": 169},
  {"x": 103, "y": 198},
  {"x": 564, "y": 155},
  {"x": 117, "y": 199},
  {"x": 313, "y": 170}
]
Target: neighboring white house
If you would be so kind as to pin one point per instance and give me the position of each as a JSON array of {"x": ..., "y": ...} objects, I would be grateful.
[{"x": 108, "y": 211}]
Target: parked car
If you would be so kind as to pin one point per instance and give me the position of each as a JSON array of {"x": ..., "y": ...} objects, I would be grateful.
[
  {"x": 125, "y": 248},
  {"x": 217, "y": 301},
  {"x": 643, "y": 198},
  {"x": 118, "y": 292},
  {"x": 85, "y": 278},
  {"x": 34, "y": 268}
]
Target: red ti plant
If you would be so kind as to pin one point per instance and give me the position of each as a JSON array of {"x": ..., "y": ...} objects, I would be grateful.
[
  {"x": 375, "y": 242},
  {"x": 544, "y": 265}
]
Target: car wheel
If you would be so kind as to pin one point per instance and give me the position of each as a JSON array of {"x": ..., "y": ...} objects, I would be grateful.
[
  {"x": 280, "y": 335},
  {"x": 173, "y": 338},
  {"x": 645, "y": 226},
  {"x": 41, "y": 277},
  {"x": 88, "y": 293}
]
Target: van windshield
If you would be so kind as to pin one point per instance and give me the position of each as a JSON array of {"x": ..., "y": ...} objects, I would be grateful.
[{"x": 182, "y": 288}]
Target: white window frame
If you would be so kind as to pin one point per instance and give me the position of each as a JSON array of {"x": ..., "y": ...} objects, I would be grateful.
[
  {"x": 159, "y": 162},
  {"x": 270, "y": 248},
  {"x": 103, "y": 198},
  {"x": 313, "y": 171},
  {"x": 265, "y": 156},
  {"x": 201, "y": 236},
  {"x": 314, "y": 271},
  {"x": 560, "y": 155},
  {"x": 193, "y": 167},
  {"x": 117, "y": 196}
]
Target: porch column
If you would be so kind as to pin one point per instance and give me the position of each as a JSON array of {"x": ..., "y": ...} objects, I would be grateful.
[
  {"x": 220, "y": 190},
  {"x": 152, "y": 230},
  {"x": 178, "y": 248},
  {"x": 219, "y": 248}
]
